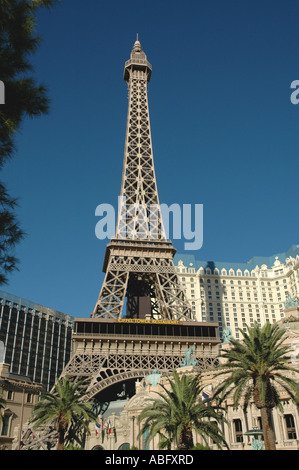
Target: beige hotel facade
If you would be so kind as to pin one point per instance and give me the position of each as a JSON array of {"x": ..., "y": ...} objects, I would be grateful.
[{"x": 237, "y": 294}]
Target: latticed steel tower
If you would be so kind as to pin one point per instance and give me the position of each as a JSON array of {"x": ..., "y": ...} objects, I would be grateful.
[
  {"x": 139, "y": 259},
  {"x": 115, "y": 347}
]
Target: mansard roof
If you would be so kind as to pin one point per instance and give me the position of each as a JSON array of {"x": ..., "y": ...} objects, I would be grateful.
[{"x": 189, "y": 260}]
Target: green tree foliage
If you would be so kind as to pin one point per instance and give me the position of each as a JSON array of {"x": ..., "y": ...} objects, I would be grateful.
[
  {"x": 24, "y": 97},
  {"x": 178, "y": 411},
  {"x": 66, "y": 409},
  {"x": 256, "y": 368}
]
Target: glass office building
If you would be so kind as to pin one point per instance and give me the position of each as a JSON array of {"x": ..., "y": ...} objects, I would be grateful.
[{"x": 36, "y": 340}]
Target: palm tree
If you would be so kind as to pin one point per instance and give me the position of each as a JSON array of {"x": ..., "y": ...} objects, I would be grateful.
[
  {"x": 257, "y": 369},
  {"x": 177, "y": 412},
  {"x": 66, "y": 407}
]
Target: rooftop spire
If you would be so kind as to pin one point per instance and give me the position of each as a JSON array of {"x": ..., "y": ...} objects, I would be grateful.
[
  {"x": 138, "y": 61},
  {"x": 137, "y": 46}
]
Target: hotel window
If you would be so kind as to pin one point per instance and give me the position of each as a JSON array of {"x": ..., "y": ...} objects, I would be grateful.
[
  {"x": 10, "y": 395},
  {"x": 290, "y": 425},
  {"x": 5, "y": 425},
  {"x": 238, "y": 430},
  {"x": 29, "y": 398}
]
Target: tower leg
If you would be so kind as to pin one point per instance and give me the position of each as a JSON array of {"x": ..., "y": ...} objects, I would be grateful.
[{"x": 112, "y": 295}]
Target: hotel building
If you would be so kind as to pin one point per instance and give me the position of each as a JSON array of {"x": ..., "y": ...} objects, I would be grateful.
[
  {"x": 35, "y": 340},
  {"x": 237, "y": 294}
]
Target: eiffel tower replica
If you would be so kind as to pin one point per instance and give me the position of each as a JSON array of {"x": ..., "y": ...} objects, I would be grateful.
[
  {"x": 139, "y": 260},
  {"x": 142, "y": 321}
]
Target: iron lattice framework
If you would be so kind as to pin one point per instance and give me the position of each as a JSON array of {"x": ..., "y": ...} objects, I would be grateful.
[
  {"x": 139, "y": 260},
  {"x": 107, "y": 361},
  {"x": 158, "y": 327},
  {"x": 109, "y": 351}
]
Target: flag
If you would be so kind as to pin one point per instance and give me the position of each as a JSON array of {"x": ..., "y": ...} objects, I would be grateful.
[
  {"x": 204, "y": 396},
  {"x": 97, "y": 428},
  {"x": 109, "y": 428}
]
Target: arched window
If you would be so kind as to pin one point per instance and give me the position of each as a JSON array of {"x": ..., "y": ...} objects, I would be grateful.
[
  {"x": 5, "y": 424},
  {"x": 125, "y": 446}
]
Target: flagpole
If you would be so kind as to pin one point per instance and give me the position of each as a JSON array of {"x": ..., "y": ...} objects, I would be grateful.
[{"x": 21, "y": 419}]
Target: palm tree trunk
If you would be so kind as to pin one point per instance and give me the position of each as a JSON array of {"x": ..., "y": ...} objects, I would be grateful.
[
  {"x": 186, "y": 439},
  {"x": 60, "y": 428},
  {"x": 269, "y": 436},
  {"x": 60, "y": 439}
]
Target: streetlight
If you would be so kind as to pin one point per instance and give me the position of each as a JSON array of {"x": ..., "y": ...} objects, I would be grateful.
[{"x": 257, "y": 441}]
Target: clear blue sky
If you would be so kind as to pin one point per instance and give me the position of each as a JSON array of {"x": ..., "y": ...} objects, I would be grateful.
[{"x": 225, "y": 133}]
